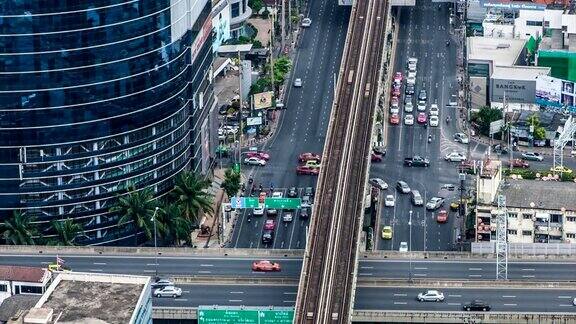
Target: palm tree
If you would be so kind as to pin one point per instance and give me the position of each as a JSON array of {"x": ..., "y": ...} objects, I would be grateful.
[
  {"x": 67, "y": 231},
  {"x": 136, "y": 207},
  {"x": 19, "y": 229},
  {"x": 190, "y": 194},
  {"x": 175, "y": 226}
]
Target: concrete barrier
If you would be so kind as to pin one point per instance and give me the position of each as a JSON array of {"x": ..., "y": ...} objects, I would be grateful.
[
  {"x": 484, "y": 284},
  {"x": 217, "y": 280}
]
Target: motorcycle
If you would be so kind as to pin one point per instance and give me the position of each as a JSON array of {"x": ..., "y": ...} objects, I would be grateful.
[
  {"x": 447, "y": 119},
  {"x": 448, "y": 43},
  {"x": 429, "y": 138}
]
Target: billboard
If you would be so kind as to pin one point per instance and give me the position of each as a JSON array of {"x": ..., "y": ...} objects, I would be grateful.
[
  {"x": 263, "y": 100},
  {"x": 517, "y": 91},
  {"x": 221, "y": 22},
  {"x": 556, "y": 93},
  {"x": 513, "y": 5}
]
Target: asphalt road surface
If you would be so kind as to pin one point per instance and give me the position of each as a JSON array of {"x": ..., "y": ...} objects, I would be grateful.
[
  {"x": 302, "y": 126},
  {"x": 389, "y": 298},
  {"x": 423, "y": 32},
  {"x": 241, "y": 266}
]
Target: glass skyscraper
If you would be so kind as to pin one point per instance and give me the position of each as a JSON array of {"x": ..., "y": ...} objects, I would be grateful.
[{"x": 96, "y": 96}]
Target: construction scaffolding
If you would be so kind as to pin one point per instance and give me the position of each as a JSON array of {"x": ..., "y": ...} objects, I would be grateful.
[
  {"x": 566, "y": 136},
  {"x": 501, "y": 240}
]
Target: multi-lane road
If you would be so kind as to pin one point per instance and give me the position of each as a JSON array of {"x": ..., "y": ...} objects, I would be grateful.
[{"x": 302, "y": 126}]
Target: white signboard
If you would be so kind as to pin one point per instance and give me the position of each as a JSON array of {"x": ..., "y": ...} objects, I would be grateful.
[
  {"x": 496, "y": 126},
  {"x": 254, "y": 121}
]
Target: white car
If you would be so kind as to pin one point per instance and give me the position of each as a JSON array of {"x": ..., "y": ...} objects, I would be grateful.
[
  {"x": 434, "y": 111},
  {"x": 306, "y": 22},
  {"x": 421, "y": 105},
  {"x": 434, "y": 203},
  {"x": 168, "y": 291},
  {"x": 378, "y": 183},
  {"x": 297, "y": 82},
  {"x": 409, "y": 120},
  {"x": 403, "y": 247},
  {"x": 434, "y": 121},
  {"x": 431, "y": 296},
  {"x": 462, "y": 138},
  {"x": 455, "y": 157},
  {"x": 258, "y": 211},
  {"x": 409, "y": 107},
  {"x": 412, "y": 74},
  {"x": 532, "y": 156},
  {"x": 412, "y": 63},
  {"x": 277, "y": 194},
  {"x": 411, "y": 80},
  {"x": 228, "y": 130},
  {"x": 254, "y": 161},
  {"x": 287, "y": 217},
  {"x": 394, "y": 110},
  {"x": 389, "y": 201}
]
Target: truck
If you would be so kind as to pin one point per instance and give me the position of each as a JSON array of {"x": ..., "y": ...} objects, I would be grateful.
[{"x": 416, "y": 161}]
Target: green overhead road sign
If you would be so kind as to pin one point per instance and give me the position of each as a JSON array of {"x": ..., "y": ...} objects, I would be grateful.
[
  {"x": 244, "y": 202},
  {"x": 282, "y": 203},
  {"x": 234, "y": 315}
]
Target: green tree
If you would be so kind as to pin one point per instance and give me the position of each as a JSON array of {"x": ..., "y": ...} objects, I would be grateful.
[
  {"x": 256, "y": 5},
  {"x": 485, "y": 116},
  {"x": 231, "y": 183},
  {"x": 190, "y": 193},
  {"x": 20, "y": 229},
  {"x": 263, "y": 84},
  {"x": 539, "y": 131},
  {"x": 136, "y": 207},
  {"x": 67, "y": 231},
  {"x": 176, "y": 227}
]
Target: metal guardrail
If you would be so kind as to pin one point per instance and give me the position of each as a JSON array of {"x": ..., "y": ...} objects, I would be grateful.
[
  {"x": 528, "y": 249},
  {"x": 235, "y": 280},
  {"x": 408, "y": 316}
]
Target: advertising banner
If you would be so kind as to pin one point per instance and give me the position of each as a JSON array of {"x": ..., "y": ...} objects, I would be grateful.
[
  {"x": 555, "y": 93},
  {"x": 513, "y": 5},
  {"x": 263, "y": 100}
]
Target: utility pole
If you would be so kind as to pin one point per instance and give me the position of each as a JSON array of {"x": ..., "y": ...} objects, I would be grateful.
[
  {"x": 283, "y": 26},
  {"x": 272, "y": 48},
  {"x": 410, "y": 247},
  {"x": 155, "y": 242},
  {"x": 241, "y": 132}
]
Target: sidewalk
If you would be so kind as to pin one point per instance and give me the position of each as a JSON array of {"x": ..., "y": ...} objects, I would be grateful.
[{"x": 549, "y": 151}]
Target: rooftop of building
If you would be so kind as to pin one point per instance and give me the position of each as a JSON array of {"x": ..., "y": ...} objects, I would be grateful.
[
  {"x": 501, "y": 51},
  {"x": 551, "y": 195},
  {"x": 528, "y": 73},
  {"x": 24, "y": 274},
  {"x": 93, "y": 297},
  {"x": 12, "y": 305}
]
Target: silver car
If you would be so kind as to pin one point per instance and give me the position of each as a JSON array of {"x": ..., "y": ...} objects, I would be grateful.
[
  {"x": 431, "y": 296},
  {"x": 168, "y": 291},
  {"x": 287, "y": 217},
  {"x": 434, "y": 203},
  {"x": 297, "y": 82}
]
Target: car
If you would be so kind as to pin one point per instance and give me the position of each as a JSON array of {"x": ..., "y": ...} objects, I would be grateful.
[
  {"x": 261, "y": 155},
  {"x": 407, "y": 99},
  {"x": 403, "y": 247},
  {"x": 54, "y": 266},
  {"x": 378, "y": 183},
  {"x": 442, "y": 216},
  {"x": 387, "y": 232},
  {"x": 312, "y": 164},
  {"x": 398, "y": 77},
  {"x": 267, "y": 237},
  {"x": 408, "y": 107},
  {"x": 409, "y": 89},
  {"x": 416, "y": 161},
  {"x": 394, "y": 110},
  {"x": 306, "y": 22},
  {"x": 532, "y": 156},
  {"x": 462, "y": 138},
  {"x": 306, "y": 201},
  {"x": 455, "y": 157},
  {"x": 168, "y": 291},
  {"x": 375, "y": 157},
  {"x": 309, "y": 191},
  {"x": 259, "y": 211},
  {"x": 430, "y": 296},
  {"x": 455, "y": 204},
  {"x": 159, "y": 283},
  {"x": 519, "y": 163},
  {"x": 254, "y": 161},
  {"x": 306, "y": 170},
  {"x": 412, "y": 63},
  {"x": 394, "y": 102},
  {"x": 287, "y": 217},
  {"x": 397, "y": 86},
  {"x": 561, "y": 169},
  {"x": 229, "y": 130},
  {"x": 308, "y": 156},
  {"x": 412, "y": 74},
  {"x": 434, "y": 111},
  {"x": 277, "y": 194},
  {"x": 292, "y": 192},
  {"x": 411, "y": 80},
  {"x": 448, "y": 186},
  {"x": 417, "y": 198},
  {"x": 297, "y": 82},
  {"x": 422, "y": 95},
  {"x": 265, "y": 265},
  {"x": 409, "y": 119},
  {"x": 396, "y": 91},
  {"x": 402, "y": 187},
  {"x": 422, "y": 118},
  {"x": 434, "y": 121},
  {"x": 262, "y": 197},
  {"x": 271, "y": 212},
  {"x": 434, "y": 203},
  {"x": 421, "y": 106},
  {"x": 304, "y": 213},
  {"x": 394, "y": 119},
  {"x": 389, "y": 201},
  {"x": 379, "y": 150},
  {"x": 574, "y": 301},
  {"x": 269, "y": 224},
  {"x": 476, "y": 305}
]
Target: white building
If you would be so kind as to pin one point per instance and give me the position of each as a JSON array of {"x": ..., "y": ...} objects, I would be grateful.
[
  {"x": 16, "y": 280},
  {"x": 239, "y": 14}
]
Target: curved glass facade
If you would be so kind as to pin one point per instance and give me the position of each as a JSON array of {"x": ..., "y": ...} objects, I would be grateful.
[{"x": 95, "y": 96}]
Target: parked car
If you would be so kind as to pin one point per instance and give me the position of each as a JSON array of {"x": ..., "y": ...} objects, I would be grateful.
[
  {"x": 378, "y": 183},
  {"x": 168, "y": 291},
  {"x": 306, "y": 22},
  {"x": 430, "y": 296},
  {"x": 532, "y": 156},
  {"x": 266, "y": 266},
  {"x": 476, "y": 305}
]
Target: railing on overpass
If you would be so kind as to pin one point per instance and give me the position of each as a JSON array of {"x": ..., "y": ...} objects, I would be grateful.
[{"x": 190, "y": 313}]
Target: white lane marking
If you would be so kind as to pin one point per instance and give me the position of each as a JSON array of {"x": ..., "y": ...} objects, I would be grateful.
[
  {"x": 454, "y": 304},
  {"x": 418, "y": 268},
  {"x": 180, "y": 299},
  {"x": 290, "y": 293},
  {"x": 454, "y": 295},
  {"x": 400, "y": 295},
  {"x": 99, "y": 263},
  {"x": 95, "y": 270},
  {"x": 400, "y": 303},
  {"x": 564, "y": 305},
  {"x": 475, "y": 276},
  {"x": 528, "y": 276},
  {"x": 149, "y": 271},
  {"x": 508, "y": 296},
  {"x": 565, "y": 297},
  {"x": 510, "y": 305},
  {"x": 528, "y": 270},
  {"x": 206, "y": 265},
  {"x": 366, "y": 267},
  {"x": 204, "y": 271},
  {"x": 365, "y": 274},
  {"x": 289, "y": 301},
  {"x": 236, "y": 292},
  {"x": 234, "y": 300},
  {"x": 151, "y": 264},
  {"x": 420, "y": 275},
  {"x": 474, "y": 269},
  {"x": 185, "y": 291}
]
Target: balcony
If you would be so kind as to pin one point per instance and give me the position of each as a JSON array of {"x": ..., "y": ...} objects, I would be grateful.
[{"x": 238, "y": 21}]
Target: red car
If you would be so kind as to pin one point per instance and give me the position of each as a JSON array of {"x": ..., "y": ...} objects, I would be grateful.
[
  {"x": 265, "y": 265},
  {"x": 442, "y": 216},
  {"x": 270, "y": 224},
  {"x": 398, "y": 77},
  {"x": 396, "y": 91},
  {"x": 422, "y": 118},
  {"x": 257, "y": 154},
  {"x": 375, "y": 157},
  {"x": 308, "y": 157},
  {"x": 519, "y": 163},
  {"x": 394, "y": 119},
  {"x": 302, "y": 169}
]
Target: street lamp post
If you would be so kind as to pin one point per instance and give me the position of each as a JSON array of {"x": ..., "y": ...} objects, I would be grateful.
[
  {"x": 155, "y": 242},
  {"x": 410, "y": 247}
]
